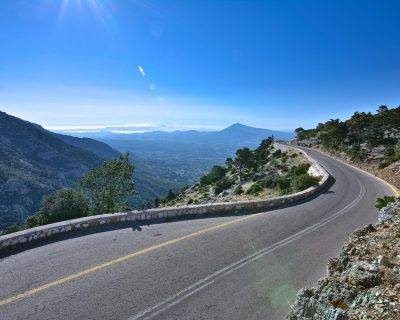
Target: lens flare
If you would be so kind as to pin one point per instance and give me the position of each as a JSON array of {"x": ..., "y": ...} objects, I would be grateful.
[{"x": 101, "y": 10}]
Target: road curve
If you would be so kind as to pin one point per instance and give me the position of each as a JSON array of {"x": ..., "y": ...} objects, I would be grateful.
[{"x": 230, "y": 267}]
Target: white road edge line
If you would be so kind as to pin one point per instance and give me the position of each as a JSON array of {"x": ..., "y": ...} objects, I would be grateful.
[{"x": 162, "y": 306}]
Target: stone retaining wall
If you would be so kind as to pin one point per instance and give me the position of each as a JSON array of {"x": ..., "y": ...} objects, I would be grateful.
[{"x": 32, "y": 234}]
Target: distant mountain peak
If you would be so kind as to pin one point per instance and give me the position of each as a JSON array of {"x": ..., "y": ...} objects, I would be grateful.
[{"x": 236, "y": 126}]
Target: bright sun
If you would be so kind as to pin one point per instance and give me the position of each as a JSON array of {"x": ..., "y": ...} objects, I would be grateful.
[{"x": 100, "y": 9}]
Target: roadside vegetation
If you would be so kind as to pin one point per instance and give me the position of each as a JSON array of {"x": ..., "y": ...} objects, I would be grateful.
[
  {"x": 365, "y": 137},
  {"x": 385, "y": 201},
  {"x": 105, "y": 189},
  {"x": 260, "y": 173}
]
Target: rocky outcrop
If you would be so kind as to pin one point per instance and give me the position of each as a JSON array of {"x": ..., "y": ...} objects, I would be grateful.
[{"x": 363, "y": 282}]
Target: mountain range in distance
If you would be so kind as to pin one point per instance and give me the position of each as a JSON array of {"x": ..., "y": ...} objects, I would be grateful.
[
  {"x": 236, "y": 130},
  {"x": 35, "y": 162}
]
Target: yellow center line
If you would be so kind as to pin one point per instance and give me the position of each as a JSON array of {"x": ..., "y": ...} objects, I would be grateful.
[
  {"x": 132, "y": 255},
  {"x": 127, "y": 257}
]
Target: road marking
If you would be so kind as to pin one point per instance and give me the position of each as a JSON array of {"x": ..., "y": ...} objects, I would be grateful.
[
  {"x": 169, "y": 302},
  {"x": 121, "y": 259},
  {"x": 132, "y": 255},
  {"x": 392, "y": 187}
]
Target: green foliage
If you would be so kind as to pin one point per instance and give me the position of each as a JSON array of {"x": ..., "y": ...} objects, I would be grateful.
[
  {"x": 263, "y": 150},
  {"x": 305, "y": 134},
  {"x": 269, "y": 182},
  {"x": 256, "y": 188},
  {"x": 11, "y": 229},
  {"x": 383, "y": 202},
  {"x": 389, "y": 157},
  {"x": 283, "y": 184},
  {"x": 223, "y": 185},
  {"x": 170, "y": 196},
  {"x": 157, "y": 202},
  {"x": 356, "y": 153},
  {"x": 277, "y": 153},
  {"x": 397, "y": 151},
  {"x": 333, "y": 134},
  {"x": 110, "y": 186},
  {"x": 216, "y": 174},
  {"x": 359, "y": 134},
  {"x": 299, "y": 169},
  {"x": 303, "y": 181},
  {"x": 239, "y": 190},
  {"x": 243, "y": 160},
  {"x": 64, "y": 204}
]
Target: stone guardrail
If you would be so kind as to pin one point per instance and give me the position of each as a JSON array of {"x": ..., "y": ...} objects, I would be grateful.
[{"x": 45, "y": 231}]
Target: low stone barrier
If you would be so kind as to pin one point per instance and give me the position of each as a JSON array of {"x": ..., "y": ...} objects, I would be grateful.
[{"x": 40, "y": 232}]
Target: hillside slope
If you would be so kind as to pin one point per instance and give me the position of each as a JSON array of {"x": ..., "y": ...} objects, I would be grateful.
[
  {"x": 33, "y": 163},
  {"x": 182, "y": 157}
]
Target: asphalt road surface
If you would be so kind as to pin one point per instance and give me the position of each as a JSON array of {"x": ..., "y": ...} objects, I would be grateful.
[{"x": 229, "y": 267}]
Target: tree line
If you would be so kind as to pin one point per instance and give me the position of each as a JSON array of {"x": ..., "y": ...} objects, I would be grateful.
[
  {"x": 358, "y": 135},
  {"x": 105, "y": 189}
]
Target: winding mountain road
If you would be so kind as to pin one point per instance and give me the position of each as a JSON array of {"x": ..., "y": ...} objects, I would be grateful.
[{"x": 228, "y": 267}]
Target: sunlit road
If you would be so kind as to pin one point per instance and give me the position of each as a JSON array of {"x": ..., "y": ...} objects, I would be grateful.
[{"x": 231, "y": 267}]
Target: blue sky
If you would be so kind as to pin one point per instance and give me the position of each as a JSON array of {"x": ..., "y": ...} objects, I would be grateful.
[{"x": 273, "y": 64}]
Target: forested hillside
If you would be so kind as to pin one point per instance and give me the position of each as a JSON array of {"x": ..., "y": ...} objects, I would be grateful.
[
  {"x": 266, "y": 171},
  {"x": 34, "y": 163},
  {"x": 182, "y": 157},
  {"x": 369, "y": 140},
  {"x": 364, "y": 137}
]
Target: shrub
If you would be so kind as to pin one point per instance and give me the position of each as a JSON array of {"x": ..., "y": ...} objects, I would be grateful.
[
  {"x": 239, "y": 190},
  {"x": 170, "y": 196},
  {"x": 385, "y": 162},
  {"x": 11, "y": 229},
  {"x": 357, "y": 153},
  {"x": 299, "y": 169},
  {"x": 389, "y": 157},
  {"x": 383, "y": 202},
  {"x": 216, "y": 174},
  {"x": 222, "y": 185},
  {"x": 303, "y": 181},
  {"x": 268, "y": 182},
  {"x": 110, "y": 186},
  {"x": 218, "y": 188},
  {"x": 397, "y": 151},
  {"x": 277, "y": 153},
  {"x": 64, "y": 204},
  {"x": 283, "y": 184},
  {"x": 256, "y": 188}
]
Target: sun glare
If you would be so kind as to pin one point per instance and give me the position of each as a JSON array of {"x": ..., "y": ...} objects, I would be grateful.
[{"x": 101, "y": 10}]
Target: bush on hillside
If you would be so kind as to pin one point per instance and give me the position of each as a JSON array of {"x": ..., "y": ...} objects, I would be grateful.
[
  {"x": 256, "y": 188},
  {"x": 216, "y": 174},
  {"x": 222, "y": 185},
  {"x": 383, "y": 202},
  {"x": 300, "y": 169},
  {"x": 11, "y": 229},
  {"x": 302, "y": 182},
  {"x": 64, "y": 204},
  {"x": 110, "y": 186},
  {"x": 283, "y": 184},
  {"x": 397, "y": 151},
  {"x": 239, "y": 190}
]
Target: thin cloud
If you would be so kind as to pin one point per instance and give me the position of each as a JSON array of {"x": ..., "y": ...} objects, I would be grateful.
[{"x": 141, "y": 70}]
